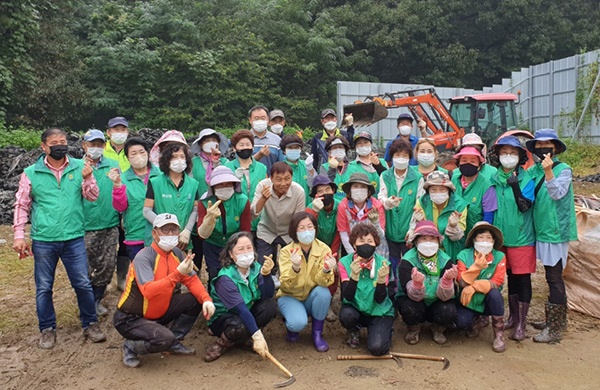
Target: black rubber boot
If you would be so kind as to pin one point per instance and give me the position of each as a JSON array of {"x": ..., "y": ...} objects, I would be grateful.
[
  {"x": 131, "y": 350},
  {"x": 99, "y": 292},
  {"x": 182, "y": 325},
  {"x": 556, "y": 317}
]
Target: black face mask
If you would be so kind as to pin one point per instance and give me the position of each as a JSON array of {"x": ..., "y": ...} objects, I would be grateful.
[
  {"x": 468, "y": 170},
  {"x": 58, "y": 152},
  {"x": 327, "y": 199},
  {"x": 244, "y": 153},
  {"x": 539, "y": 152},
  {"x": 365, "y": 250}
]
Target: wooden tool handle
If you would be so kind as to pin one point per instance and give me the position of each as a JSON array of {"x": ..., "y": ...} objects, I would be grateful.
[
  {"x": 281, "y": 367},
  {"x": 363, "y": 357},
  {"x": 417, "y": 356}
]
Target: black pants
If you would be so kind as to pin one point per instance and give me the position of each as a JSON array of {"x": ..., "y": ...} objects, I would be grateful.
[
  {"x": 197, "y": 249},
  {"x": 556, "y": 284},
  {"x": 231, "y": 324},
  {"x": 414, "y": 313},
  {"x": 161, "y": 338},
  {"x": 123, "y": 258},
  {"x": 379, "y": 329},
  {"x": 519, "y": 285},
  {"x": 263, "y": 248}
]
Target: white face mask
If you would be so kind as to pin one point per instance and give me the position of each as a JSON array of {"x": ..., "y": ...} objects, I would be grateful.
[
  {"x": 426, "y": 159},
  {"x": 338, "y": 153},
  {"x": 363, "y": 150},
  {"x": 178, "y": 166},
  {"x": 209, "y": 146},
  {"x": 400, "y": 163},
  {"x": 277, "y": 129},
  {"x": 404, "y": 130},
  {"x": 428, "y": 249},
  {"x": 306, "y": 237},
  {"x": 95, "y": 153},
  {"x": 224, "y": 193},
  {"x": 259, "y": 125},
  {"x": 167, "y": 243},
  {"x": 483, "y": 247},
  {"x": 139, "y": 161},
  {"x": 244, "y": 260},
  {"x": 118, "y": 138},
  {"x": 331, "y": 125},
  {"x": 439, "y": 197},
  {"x": 359, "y": 195},
  {"x": 509, "y": 161}
]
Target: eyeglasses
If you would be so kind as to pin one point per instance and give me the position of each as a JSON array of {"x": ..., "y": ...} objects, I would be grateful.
[{"x": 169, "y": 230}]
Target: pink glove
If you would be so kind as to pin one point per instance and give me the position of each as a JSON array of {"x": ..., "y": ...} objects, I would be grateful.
[
  {"x": 417, "y": 278},
  {"x": 449, "y": 277}
]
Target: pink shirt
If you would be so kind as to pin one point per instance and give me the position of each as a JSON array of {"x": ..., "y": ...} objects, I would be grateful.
[{"x": 342, "y": 222}]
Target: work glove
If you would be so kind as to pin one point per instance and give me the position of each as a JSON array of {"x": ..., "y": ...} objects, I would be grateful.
[
  {"x": 382, "y": 274},
  {"x": 466, "y": 295},
  {"x": 259, "y": 344},
  {"x": 391, "y": 202},
  {"x": 296, "y": 259},
  {"x": 418, "y": 214},
  {"x": 333, "y": 162},
  {"x": 454, "y": 218},
  {"x": 115, "y": 176},
  {"x": 239, "y": 173},
  {"x": 482, "y": 286},
  {"x": 213, "y": 211},
  {"x": 417, "y": 278},
  {"x": 449, "y": 276},
  {"x": 317, "y": 205},
  {"x": 309, "y": 160},
  {"x": 184, "y": 237},
  {"x": 329, "y": 263},
  {"x": 349, "y": 119},
  {"x": 187, "y": 265},
  {"x": 208, "y": 309},
  {"x": 513, "y": 180},
  {"x": 267, "y": 266},
  {"x": 355, "y": 269},
  {"x": 373, "y": 216}
]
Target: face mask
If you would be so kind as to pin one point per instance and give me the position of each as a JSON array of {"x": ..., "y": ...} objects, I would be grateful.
[
  {"x": 539, "y": 152},
  {"x": 277, "y": 129},
  {"x": 209, "y": 146},
  {"x": 509, "y": 161},
  {"x": 439, "y": 197},
  {"x": 244, "y": 153},
  {"x": 139, "y": 161},
  {"x": 118, "y": 138},
  {"x": 400, "y": 163},
  {"x": 363, "y": 150},
  {"x": 327, "y": 200},
  {"x": 95, "y": 153},
  {"x": 426, "y": 159},
  {"x": 330, "y": 125},
  {"x": 365, "y": 250},
  {"x": 338, "y": 153},
  {"x": 359, "y": 195},
  {"x": 404, "y": 130},
  {"x": 428, "y": 249},
  {"x": 306, "y": 237},
  {"x": 468, "y": 170},
  {"x": 58, "y": 152},
  {"x": 259, "y": 126},
  {"x": 224, "y": 193},
  {"x": 178, "y": 166},
  {"x": 245, "y": 260},
  {"x": 292, "y": 154},
  {"x": 167, "y": 243},
  {"x": 483, "y": 247}
]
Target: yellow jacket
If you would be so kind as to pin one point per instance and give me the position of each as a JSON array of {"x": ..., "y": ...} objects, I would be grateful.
[
  {"x": 110, "y": 152},
  {"x": 299, "y": 284}
]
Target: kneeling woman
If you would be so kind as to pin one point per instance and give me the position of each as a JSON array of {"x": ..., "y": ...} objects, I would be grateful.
[
  {"x": 366, "y": 302},
  {"x": 306, "y": 270},
  {"x": 243, "y": 298},
  {"x": 481, "y": 269},
  {"x": 426, "y": 289}
]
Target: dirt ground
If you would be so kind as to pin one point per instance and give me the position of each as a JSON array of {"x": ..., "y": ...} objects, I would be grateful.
[{"x": 77, "y": 364}]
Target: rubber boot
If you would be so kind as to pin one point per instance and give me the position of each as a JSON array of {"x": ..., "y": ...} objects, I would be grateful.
[
  {"x": 513, "y": 312},
  {"x": 520, "y": 332},
  {"x": 412, "y": 334},
  {"x": 541, "y": 325},
  {"x": 182, "y": 325},
  {"x": 479, "y": 323},
  {"x": 221, "y": 345},
  {"x": 131, "y": 350},
  {"x": 99, "y": 292},
  {"x": 122, "y": 268},
  {"x": 498, "y": 325},
  {"x": 292, "y": 337},
  {"x": 555, "y": 318},
  {"x": 438, "y": 333},
  {"x": 317, "y": 336}
]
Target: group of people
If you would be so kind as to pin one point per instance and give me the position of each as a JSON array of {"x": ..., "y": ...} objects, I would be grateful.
[{"x": 281, "y": 233}]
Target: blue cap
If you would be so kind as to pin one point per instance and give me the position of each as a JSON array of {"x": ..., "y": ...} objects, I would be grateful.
[
  {"x": 93, "y": 134},
  {"x": 546, "y": 135},
  {"x": 405, "y": 116},
  {"x": 116, "y": 121},
  {"x": 509, "y": 140}
]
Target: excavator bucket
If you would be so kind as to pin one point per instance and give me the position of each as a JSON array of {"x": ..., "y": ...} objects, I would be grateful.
[{"x": 366, "y": 113}]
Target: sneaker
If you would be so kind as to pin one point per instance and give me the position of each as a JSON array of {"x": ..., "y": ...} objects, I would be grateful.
[
  {"x": 93, "y": 333},
  {"x": 353, "y": 339},
  {"x": 47, "y": 338}
]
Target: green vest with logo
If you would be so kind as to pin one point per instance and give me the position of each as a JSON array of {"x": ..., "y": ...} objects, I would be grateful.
[
  {"x": 473, "y": 196},
  {"x": 326, "y": 221},
  {"x": 134, "y": 223},
  {"x": 398, "y": 219},
  {"x": 300, "y": 176},
  {"x": 455, "y": 203},
  {"x": 258, "y": 172},
  {"x": 101, "y": 214},
  {"x": 355, "y": 166},
  {"x": 467, "y": 257},
  {"x": 199, "y": 173},
  {"x": 234, "y": 207}
]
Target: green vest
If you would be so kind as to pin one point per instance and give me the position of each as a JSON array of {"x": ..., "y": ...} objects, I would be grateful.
[
  {"x": 473, "y": 196},
  {"x": 364, "y": 300},
  {"x": 134, "y": 222},
  {"x": 326, "y": 221},
  {"x": 355, "y": 166},
  {"x": 467, "y": 257},
  {"x": 234, "y": 207},
  {"x": 120, "y": 157},
  {"x": 398, "y": 219},
  {"x": 517, "y": 227},
  {"x": 169, "y": 199},
  {"x": 455, "y": 203},
  {"x": 248, "y": 289},
  {"x": 488, "y": 171},
  {"x": 56, "y": 208},
  {"x": 432, "y": 278},
  {"x": 338, "y": 181},
  {"x": 100, "y": 215},
  {"x": 554, "y": 220},
  {"x": 199, "y": 173},
  {"x": 300, "y": 176},
  {"x": 258, "y": 172}
]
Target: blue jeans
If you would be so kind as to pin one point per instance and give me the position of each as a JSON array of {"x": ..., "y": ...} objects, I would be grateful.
[
  {"x": 73, "y": 256},
  {"x": 296, "y": 312},
  {"x": 494, "y": 306}
]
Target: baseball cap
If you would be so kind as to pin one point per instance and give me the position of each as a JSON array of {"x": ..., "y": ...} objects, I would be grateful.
[
  {"x": 93, "y": 134},
  {"x": 116, "y": 121},
  {"x": 165, "y": 219},
  {"x": 328, "y": 111},
  {"x": 405, "y": 116},
  {"x": 276, "y": 113}
]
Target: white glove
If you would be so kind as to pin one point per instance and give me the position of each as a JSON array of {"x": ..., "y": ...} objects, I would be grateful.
[
  {"x": 186, "y": 266},
  {"x": 317, "y": 205},
  {"x": 349, "y": 120},
  {"x": 208, "y": 309},
  {"x": 239, "y": 173},
  {"x": 330, "y": 263},
  {"x": 418, "y": 214},
  {"x": 259, "y": 344},
  {"x": 184, "y": 237},
  {"x": 309, "y": 160},
  {"x": 391, "y": 202},
  {"x": 115, "y": 177},
  {"x": 333, "y": 162},
  {"x": 296, "y": 259}
]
